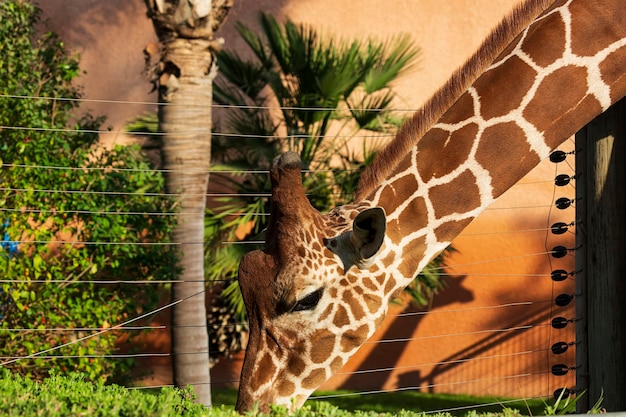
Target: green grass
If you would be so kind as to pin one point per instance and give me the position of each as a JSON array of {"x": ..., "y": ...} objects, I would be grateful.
[
  {"x": 455, "y": 404},
  {"x": 224, "y": 396},
  {"x": 394, "y": 402},
  {"x": 72, "y": 395}
]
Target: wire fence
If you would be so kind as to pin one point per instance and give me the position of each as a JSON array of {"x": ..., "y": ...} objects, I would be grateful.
[{"x": 492, "y": 332}]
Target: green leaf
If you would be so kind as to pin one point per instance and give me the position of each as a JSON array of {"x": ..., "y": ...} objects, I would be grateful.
[{"x": 37, "y": 262}]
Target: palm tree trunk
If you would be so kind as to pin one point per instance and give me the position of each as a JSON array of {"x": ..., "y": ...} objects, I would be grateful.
[
  {"x": 185, "y": 120},
  {"x": 184, "y": 75}
]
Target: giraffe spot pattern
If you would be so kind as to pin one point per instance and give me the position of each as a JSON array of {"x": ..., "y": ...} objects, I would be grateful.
[
  {"x": 412, "y": 252},
  {"x": 296, "y": 364},
  {"x": 389, "y": 193},
  {"x": 322, "y": 344},
  {"x": 505, "y": 92},
  {"x": 369, "y": 284},
  {"x": 355, "y": 306},
  {"x": 448, "y": 231},
  {"x": 381, "y": 278},
  {"x": 456, "y": 144},
  {"x": 542, "y": 52},
  {"x": 373, "y": 302},
  {"x": 504, "y": 139},
  {"x": 265, "y": 371},
  {"x": 315, "y": 378},
  {"x": 565, "y": 89},
  {"x": 326, "y": 313},
  {"x": 336, "y": 364},
  {"x": 614, "y": 74},
  {"x": 351, "y": 339},
  {"x": 462, "y": 111},
  {"x": 341, "y": 318},
  {"x": 285, "y": 387},
  {"x": 390, "y": 285},
  {"x": 332, "y": 291},
  {"x": 290, "y": 335},
  {"x": 413, "y": 217},
  {"x": 585, "y": 39},
  {"x": 461, "y": 190}
]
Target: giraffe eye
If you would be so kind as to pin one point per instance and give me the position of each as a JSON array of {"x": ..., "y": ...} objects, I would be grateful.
[{"x": 309, "y": 302}]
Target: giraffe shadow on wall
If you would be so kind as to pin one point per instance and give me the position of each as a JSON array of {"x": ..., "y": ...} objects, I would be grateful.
[
  {"x": 376, "y": 370},
  {"x": 463, "y": 357}
]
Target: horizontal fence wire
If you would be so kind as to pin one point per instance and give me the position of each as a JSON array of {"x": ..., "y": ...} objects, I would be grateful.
[
  {"x": 156, "y": 281},
  {"x": 102, "y": 331},
  {"x": 165, "y": 213},
  {"x": 450, "y": 362},
  {"x": 362, "y": 371},
  {"x": 209, "y": 132},
  {"x": 417, "y": 388},
  {"x": 479, "y": 406},
  {"x": 399, "y": 340},
  {"x": 109, "y": 169},
  {"x": 460, "y": 334},
  {"x": 245, "y": 324},
  {"x": 198, "y": 104}
]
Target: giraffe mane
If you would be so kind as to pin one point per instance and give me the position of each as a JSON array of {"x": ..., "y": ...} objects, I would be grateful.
[{"x": 423, "y": 119}]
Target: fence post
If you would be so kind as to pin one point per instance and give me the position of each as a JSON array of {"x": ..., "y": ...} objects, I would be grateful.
[{"x": 601, "y": 260}]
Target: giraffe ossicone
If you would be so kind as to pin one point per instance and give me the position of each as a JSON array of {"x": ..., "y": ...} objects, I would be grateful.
[{"x": 322, "y": 284}]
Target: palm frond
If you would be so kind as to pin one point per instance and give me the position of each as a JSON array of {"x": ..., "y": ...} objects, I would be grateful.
[
  {"x": 256, "y": 44},
  {"x": 369, "y": 112},
  {"x": 389, "y": 60},
  {"x": 314, "y": 81},
  {"x": 248, "y": 77}
]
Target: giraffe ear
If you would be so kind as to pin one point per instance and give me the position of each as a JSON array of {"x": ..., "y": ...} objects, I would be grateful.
[{"x": 368, "y": 232}]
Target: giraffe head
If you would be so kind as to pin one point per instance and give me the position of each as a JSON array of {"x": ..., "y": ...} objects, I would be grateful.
[{"x": 312, "y": 296}]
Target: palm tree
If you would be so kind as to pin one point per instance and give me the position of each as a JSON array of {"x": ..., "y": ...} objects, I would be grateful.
[
  {"x": 184, "y": 76},
  {"x": 298, "y": 89}
]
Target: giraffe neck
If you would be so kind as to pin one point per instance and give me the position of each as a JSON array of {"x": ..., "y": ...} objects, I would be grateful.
[
  {"x": 554, "y": 77},
  {"x": 311, "y": 298}
]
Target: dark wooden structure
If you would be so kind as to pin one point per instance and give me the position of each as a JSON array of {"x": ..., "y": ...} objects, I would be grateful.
[{"x": 601, "y": 260}]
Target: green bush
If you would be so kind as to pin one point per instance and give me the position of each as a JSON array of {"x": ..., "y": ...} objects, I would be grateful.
[
  {"x": 72, "y": 396},
  {"x": 60, "y": 396},
  {"x": 71, "y": 215}
]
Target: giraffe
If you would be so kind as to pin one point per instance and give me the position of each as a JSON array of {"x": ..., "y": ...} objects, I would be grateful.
[{"x": 323, "y": 283}]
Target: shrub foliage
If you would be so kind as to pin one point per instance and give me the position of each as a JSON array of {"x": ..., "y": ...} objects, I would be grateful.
[
  {"x": 71, "y": 215},
  {"x": 71, "y": 395}
]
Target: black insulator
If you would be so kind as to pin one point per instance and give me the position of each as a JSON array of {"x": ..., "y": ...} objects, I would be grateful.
[
  {"x": 562, "y": 393},
  {"x": 559, "y": 228},
  {"x": 559, "y": 275},
  {"x": 563, "y": 203},
  {"x": 559, "y": 251},
  {"x": 559, "y": 322},
  {"x": 559, "y": 348},
  {"x": 562, "y": 180},
  {"x": 560, "y": 369},
  {"x": 562, "y": 300},
  {"x": 557, "y": 156}
]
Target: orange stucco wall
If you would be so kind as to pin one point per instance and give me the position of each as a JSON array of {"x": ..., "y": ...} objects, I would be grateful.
[{"x": 500, "y": 272}]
